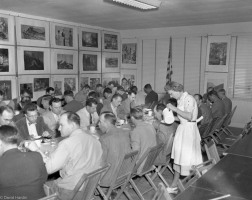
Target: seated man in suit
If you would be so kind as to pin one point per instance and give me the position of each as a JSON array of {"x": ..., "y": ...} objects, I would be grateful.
[
  {"x": 51, "y": 117},
  {"x": 22, "y": 174},
  {"x": 107, "y": 93},
  {"x": 115, "y": 107},
  {"x": 129, "y": 103},
  {"x": 94, "y": 95},
  {"x": 115, "y": 144},
  {"x": 218, "y": 107},
  {"x": 88, "y": 114},
  {"x": 227, "y": 102},
  {"x": 32, "y": 126},
  {"x": 152, "y": 97},
  {"x": 49, "y": 91},
  {"x": 6, "y": 115},
  {"x": 71, "y": 103}
]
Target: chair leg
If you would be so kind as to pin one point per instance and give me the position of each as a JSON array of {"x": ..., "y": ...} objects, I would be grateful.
[
  {"x": 136, "y": 189},
  {"x": 162, "y": 178},
  {"x": 123, "y": 189},
  {"x": 150, "y": 181},
  {"x": 102, "y": 193},
  {"x": 128, "y": 195}
]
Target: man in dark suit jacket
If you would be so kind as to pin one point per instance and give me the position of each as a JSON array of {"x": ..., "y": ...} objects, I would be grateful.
[
  {"x": 152, "y": 97},
  {"x": 32, "y": 125},
  {"x": 22, "y": 174}
]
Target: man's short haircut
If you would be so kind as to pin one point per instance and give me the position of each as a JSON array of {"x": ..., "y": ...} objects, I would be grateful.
[
  {"x": 69, "y": 93},
  {"x": 92, "y": 94},
  {"x": 111, "y": 83},
  {"x": 120, "y": 88},
  {"x": 173, "y": 102},
  {"x": 6, "y": 108},
  {"x": 134, "y": 88},
  {"x": 107, "y": 90},
  {"x": 223, "y": 91},
  {"x": 148, "y": 87},
  {"x": 54, "y": 100},
  {"x": 98, "y": 85},
  {"x": 23, "y": 91},
  {"x": 137, "y": 113},
  {"x": 9, "y": 134},
  {"x": 30, "y": 107},
  {"x": 199, "y": 96},
  {"x": 160, "y": 106},
  {"x": 47, "y": 97},
  {"x": 115, "y": 96},
  {"x": 109, "y": 116},
  {"x": 72, "y": 117},
  {"x": 86, "y": 86},
  {"x": 1, "y": 93},
  {"x": 130, "y": 92},
  {"x": 213, "y": 92},
  {"x": 90, "y": 102},
  {"x": 49, "y": 89}
]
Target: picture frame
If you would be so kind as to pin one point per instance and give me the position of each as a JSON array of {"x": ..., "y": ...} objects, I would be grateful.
[
  {"x": 39, "y": 84},
  {"x": 130, "y": 75},
  {"x": 7, "y": 60},
  {"x": 111, "y": 62},
  {"x": 7, "y": 34},
  {"x": 89, "y": 39},
  {"x": 90, "y": 62},
  {"x": 110, "y": 77},
  {"x": 64, "y": 36},
  {"x": 64, "y": 61},
  {"x": 33, "y": 60},
  {"x": 30, "y": 32},
  {"x": 111, "y": 41},
  {"x": 61, "y": 83},
  {"x": 129, "y": 53},
  {"x": 215, "y": 80},
  {"x": 8, "y": 84},
  {"x": 91, "y": 79},
  {"x": 218, "y": 48}
]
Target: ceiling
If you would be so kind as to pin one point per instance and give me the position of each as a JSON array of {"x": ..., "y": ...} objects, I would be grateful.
[{"x": 104, "y": 13}]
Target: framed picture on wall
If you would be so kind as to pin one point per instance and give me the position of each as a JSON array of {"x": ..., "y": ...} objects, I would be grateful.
[
  {"x": 62, "y": 83},
  {"x": 129, "y": 53},
  {"x": 6, "y": 29},
  {"x": 64, "y": 36},
  {"x": 111, "y": 62},
  {"x": 8, "y": 87},
  {"x": 110, "y": 41},
  {"x": 110, "y": 77},
  {"x": 33, "y": 60},
  {"x": 7, "y": 60},
  {"x": 32, "y": 32},
  {"x": 130, "y": 75},
  {"x": 90, "y": 62},
  {"x": 218, "y": 48},
  {"x": 91, "y": 79},
  {"x": 215, "y": 80},
  {"x": 90, "y": 39},
  {"x": 37, "y": 84},
  {"x": 64, "y": 61}
]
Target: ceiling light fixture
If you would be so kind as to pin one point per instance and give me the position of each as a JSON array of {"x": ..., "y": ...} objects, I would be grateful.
[{"x": 141, "y": 4}]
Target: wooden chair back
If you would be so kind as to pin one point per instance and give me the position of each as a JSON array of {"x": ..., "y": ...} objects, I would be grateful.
[
  {"x": 186, "y": 182},
  {"x": 205, "y": 129},
  {"x": 54, "y": 196},
  {"x": 204, "y": 167},
  {"x": 88, "y": 183},
  {"x": 211, "y": 150},
  {"x": 161, "y": 193}
]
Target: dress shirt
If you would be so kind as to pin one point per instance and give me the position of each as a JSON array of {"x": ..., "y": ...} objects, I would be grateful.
[
  {"x": 56, "y": 117},
  {"x": 85, "y": 118},
  {"x": 78, "y": 154},
  {"x": 32, "y": 129},
  {"x": 114, "y": 109}
]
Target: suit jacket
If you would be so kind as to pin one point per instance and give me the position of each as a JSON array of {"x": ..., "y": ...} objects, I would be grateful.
[
  {"x": 73, "y": 106},
  {"x": 22, "y": 174},
  {"x": 120, "y": 111},
  {"x": 23, "y": 129}
]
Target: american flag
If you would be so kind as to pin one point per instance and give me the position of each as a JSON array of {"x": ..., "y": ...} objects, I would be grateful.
[{"x": 169, "y": 63}]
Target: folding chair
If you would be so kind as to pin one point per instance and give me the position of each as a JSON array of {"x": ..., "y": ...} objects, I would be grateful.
[
  {"x": 247, "y": 128},
  {"x": 204, "y": 167},
  {"x": 54, "y": 196},
  {"x": 88, "y": 183},
  {"x": 121, "y": 177},
  {"x": 162, "y": 193},
  {"x": 148, "y": 159},
  {"x": 211, "y": 150},
  {"x": 187, "y": 181},
  {"x": 228, "y": 121}
]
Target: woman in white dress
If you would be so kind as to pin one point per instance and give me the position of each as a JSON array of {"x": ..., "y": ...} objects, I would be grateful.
[{"x": 186, "y": 150}]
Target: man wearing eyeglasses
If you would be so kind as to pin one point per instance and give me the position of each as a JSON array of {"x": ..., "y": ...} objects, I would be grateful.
[{"x": 32, "y": 126}]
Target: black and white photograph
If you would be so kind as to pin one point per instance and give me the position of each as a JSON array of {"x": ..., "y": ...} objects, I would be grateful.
[
  {"x": 4, "y": 33},
  {"x": 5, "y": 87},
  {"x": 57, "y": 88},
  {"x": 32, "y": 32},
  {"x": 65, "y": 61},
  {"x": 4, "y": 60},
  {"x": 63, "y": 36},
  {"x": 83, "y": 81},
  {"x": 33, "y": 60},
  {"x": 90, "y": 62},
  {"x": 89, "y": 39},
  {"x": 111, "y": 62},
  {"x": 27, "y": 86},
  {"x": 129, "y": 51},
  {"x": 70, "y": 84},
  {"x": 40, "y": 84},
  {"x": 110, "y": 41}
]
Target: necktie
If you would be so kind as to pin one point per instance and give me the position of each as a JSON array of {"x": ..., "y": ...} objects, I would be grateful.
[{"x": 90, "y": 119}]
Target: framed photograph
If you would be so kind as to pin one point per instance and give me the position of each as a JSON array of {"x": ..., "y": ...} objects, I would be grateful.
[
  {"x": 37, "y": 84},
  {"x": 32, "y": 32},
  {"x": 111, "y": 62},
  {"x": 110, "y": 77},
  {"x": 218, "y": 48},
  {"x": 215, "y": 80},
  {"x": 110, "y": 41},
  {"x": 62, "y": 83},
  {"x": 7, "y": 29},
  {"x": 90, "y": 62},
  {"x": 64, "y": 61},
  {"x": 90, "y": 39},
  {"x": 7, "y": 60},
  {"x": 129, "y": 53},
  {"x": 64, "y": 36},
  {"x": 130, "y": 75},
  {"x": 33, "y": 60},
  {"x": 91, "y": 79},
  {"x": 26, "y": 86},
  {"x": 8, "y": 87}
]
